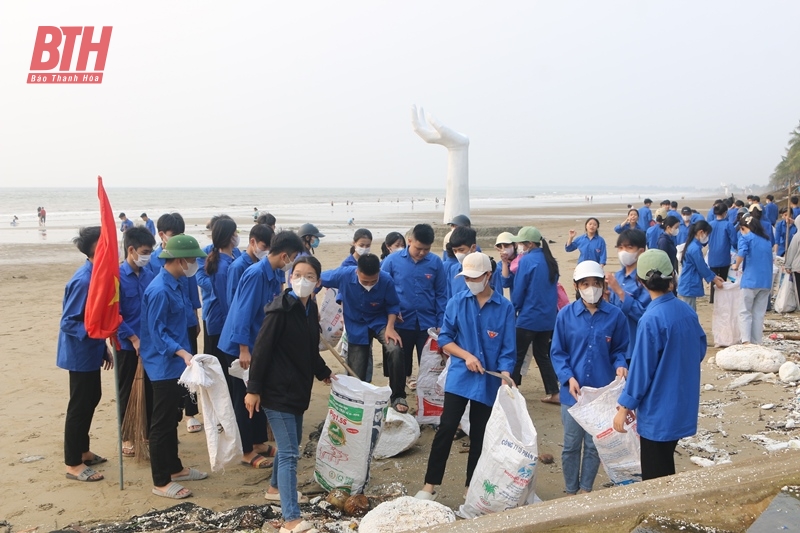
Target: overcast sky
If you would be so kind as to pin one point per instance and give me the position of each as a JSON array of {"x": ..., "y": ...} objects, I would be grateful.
[{"x": 684, "y": 93}]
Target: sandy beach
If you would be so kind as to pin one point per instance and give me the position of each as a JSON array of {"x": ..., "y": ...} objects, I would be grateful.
[{"x": 34, "y": 394}]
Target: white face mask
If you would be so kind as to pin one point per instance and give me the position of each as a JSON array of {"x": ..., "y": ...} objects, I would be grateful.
[
  {"x": 591, "y": 295},
  {"x": 361, "y": 250},
  {"x": 703, "y": 240},
  {"x": 674, "y": 232},
  {"x": 366, "y": 287},
  {"x": 261, "y": 254},
  {"x": 507, "y": 251},
  {"x": 399, "y": 248},
  {"x": 142, "y": 260},
  {"x": 627, "y": 258},
  {"x": 460, "y": 257},
  {"x": 235, "y": 240},
  {"x": 476, "y": 287},
  {"x": 287, "y": 267},
  {"x": 191, "y": 270},
  {"x": 303, "y": 287},
  {"x": 687, "y": 218}
]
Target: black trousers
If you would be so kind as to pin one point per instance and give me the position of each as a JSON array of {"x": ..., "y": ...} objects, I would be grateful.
[
  {"x": 412, "y": 338},
  {"x": 188, "y": 405},
  {"x": 164, "y": 460},
  {"x": 658, "y": 458},
  {"x": 210, "y": 347},
  {"x": 84, "y": 394},
  {"x": 721, "y": 272},
  {"x": 454, "y": 406},
  {"x": 541, "y": 354},
  {"x": 252, "y": 430}
]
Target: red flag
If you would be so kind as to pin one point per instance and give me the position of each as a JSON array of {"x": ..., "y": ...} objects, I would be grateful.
[{"x": 102, "y": 305}]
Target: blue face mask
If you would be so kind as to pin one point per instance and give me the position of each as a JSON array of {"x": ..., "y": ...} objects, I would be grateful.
[{"x": 315, "y": 242}]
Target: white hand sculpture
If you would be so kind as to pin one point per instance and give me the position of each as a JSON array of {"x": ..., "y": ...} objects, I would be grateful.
[{"x": 431, "y": 131}]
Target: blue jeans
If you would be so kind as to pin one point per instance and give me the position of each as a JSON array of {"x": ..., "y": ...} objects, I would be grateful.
[
  {"x": 288, "y": 431},
  {"x": 576, "y": 477}
]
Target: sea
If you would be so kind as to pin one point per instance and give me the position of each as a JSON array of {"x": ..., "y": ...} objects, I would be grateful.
[{"x": 335, "y": 211}]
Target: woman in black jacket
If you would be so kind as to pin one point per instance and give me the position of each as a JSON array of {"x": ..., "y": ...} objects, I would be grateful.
[
  {"x": 667, "y": 241},
  {"x": 285, "y": 360}
]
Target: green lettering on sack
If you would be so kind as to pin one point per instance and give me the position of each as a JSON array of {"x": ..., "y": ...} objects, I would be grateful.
[{"x": 352, "y": 414}]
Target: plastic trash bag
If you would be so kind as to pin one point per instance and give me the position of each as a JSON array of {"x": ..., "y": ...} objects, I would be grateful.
[
  {"x": 430, "y": 394},
  {"x": 725, "y": 317}
]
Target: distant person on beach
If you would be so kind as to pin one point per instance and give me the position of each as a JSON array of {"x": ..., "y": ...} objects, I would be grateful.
[
  {"x": 535, "y": 297},
  {"x": 351, "y": 221},
  {"x": 771, "y": 210},
  {"x": 591, "y": 360},
  {"x": 258, "y": 287},
  {"x": 125, "y": 224},
  {"x": 478, "y": 332},
  {"x": 258, "y": 245},
  {"x": 255, "y": 214},
  {"x": 14, "y": 221},
  {"x": 421, "y": 285},
  {"x": 625, "y": 290},
  {"x": 463, "y": 241},
  {"x": 83, "y": 357},
  {"x": 134, "y": 279},
  {"x": 362, "y": 243},
  {"x": 663, "y": 384},
  {"x": 393, "y": 242},
  {"x": 654, "y": 232},
  {"x": 722, "y": 240},
  {"x": 694, "y": 267},
  {"x": 166, "y": 350},
  {"x": 754, "y": 254},
  {"x": 663, "y": 210},
  {"x": 591, "y": 245},
  {"x": 42, "y": 216},
  {"x": 733, "y": 214},
  {"x": 645, "y": 215},
  {"x": 794, "y": 202},
  {"x": 631, "y": 222},
  {"x": 149, "y": 224},
  {"x": 286, "y": 360},
  {"x": 310, "y": 236},
  {"x": 785, "y": 222},
  {"x": 673, "y": 210},
  {"x": 668, "y": 240},
  {"x": 267, "y": 219}
]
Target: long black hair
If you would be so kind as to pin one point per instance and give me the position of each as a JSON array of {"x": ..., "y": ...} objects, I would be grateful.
[
  {"x": 391, "y": 238},
  {"x": 222, "y": 232},
  {"x": 552, "y": 264},
  {"x": 753, "y": 224},
  {"x": 669, "y": 222},
  {"x": 360, "y": 234},
  {"x": 700, "y": 225}
]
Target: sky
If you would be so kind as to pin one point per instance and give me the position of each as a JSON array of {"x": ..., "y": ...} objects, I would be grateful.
[{"x": 308, "y": 94}]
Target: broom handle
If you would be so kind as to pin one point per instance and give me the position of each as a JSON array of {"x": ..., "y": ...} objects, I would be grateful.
[
  {"x": 119, "y": 411},
  {"x": 338, "y": 357}
]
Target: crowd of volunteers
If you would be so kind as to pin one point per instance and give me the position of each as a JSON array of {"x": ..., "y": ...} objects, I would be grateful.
[{"x": 254, "y": 299}]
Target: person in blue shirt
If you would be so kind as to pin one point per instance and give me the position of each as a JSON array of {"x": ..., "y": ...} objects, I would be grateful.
[
  {"x": 393, "y": 242},
  {"x": 258, "y": 245},
  {"x": 781, "y": 234},
  {"x": 625, "y": 291},
  {"x": 535, "y": 298},
  {"x": 757, "y": 213},
  {"x": 134, "y": 278},
  {"x": 591, "y": 245},
  {"x": 462, "y": 242},
  {"x": 673, "y": 210},
  {"x": 722, "y": 240},
  {"x": 478, "y": 334},
  {"x": 794, "y": 203},
  {"x": 631, "y": 222},
  {"x": 83, "y": 357},
  {"x": 668, "y": 240},
  {"x": 507, "y": 248},
  {"x": 421, "y": 284},
  {"x": 771, "y": 210},
  {"x": 654, "y": 232},
  {"x": 733, "y": 213},
  {"x": 590, "y": 341},
  {"x": 710, "y": 215},
  {"x": 165, "y": 352},
  {"x": 362, "y": 242},
  {"x": 370, "y": 307},
  {"x": 149, "y": 224},
  {"x": 663, "y": 385},
  {"x": 754, "y": 255},
  {"x": 695, "y": 269},
  {"x": 258, "y": 286},
  {"x": 125, "y": 223},
  {"x": 267, "y": 219},
  {"x": 645, "y": 215}
]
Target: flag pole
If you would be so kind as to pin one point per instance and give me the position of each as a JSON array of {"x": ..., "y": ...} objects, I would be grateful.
[{"x": 115, "y": 359}]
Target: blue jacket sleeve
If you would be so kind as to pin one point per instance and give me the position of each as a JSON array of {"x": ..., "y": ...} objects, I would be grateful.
[
  {"x": 508, "y": 354},
  {"x": 696, "y": 256},
  {"x": 241, "y": 316},
  {"x": 558, "y": 349},
  {"x": 603, "y": 251},
  {"x": 331, "y": 278},
  {"x": 440, "y": 291},
  {"x": 449, "y": 330},
  {"x": 744, "y": 247},
  {"x": 574, "y": 246},
  {"x": 75, "y": 296},
  {"x": 644, "y": 365},
  {"x": 158, "y": 307},
  {"x": 620, "y": 340},
  {"x": 732, "y": 236},
  {"x": 392, "y": 300},
  {"x": 203, "y": 279},
  {"x": 521, "y": 283},
  {"x": 619, "y": 228}
]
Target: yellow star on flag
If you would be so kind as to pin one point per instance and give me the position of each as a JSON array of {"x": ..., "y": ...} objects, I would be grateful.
[{"x": 115, "y": 299}]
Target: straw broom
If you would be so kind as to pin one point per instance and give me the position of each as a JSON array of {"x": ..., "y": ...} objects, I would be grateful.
[{"x": 134, "y": 427}]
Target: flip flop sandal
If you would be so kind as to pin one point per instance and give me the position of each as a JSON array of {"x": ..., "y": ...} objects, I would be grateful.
[
  {"x": 193, "y": 475},
  {"x": 302, "y": 527},
  {"x": 400, "y": 401},
  {"x": 425, "y": 495},
  {"x": 548, "y": 399},
  {"x": 172, "y": 491},
  {"x": 86, "y": 475},
  {"x": 259, "y": 462},
  {"x": 272, "y": 451},
  {"x": 301, "y": 498},
  {"x": 193, "y": 425},
  {"x": 96, "y": 460},
  {"x": 128, "y": 451}
]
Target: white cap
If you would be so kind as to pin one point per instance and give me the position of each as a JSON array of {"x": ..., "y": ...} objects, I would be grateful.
[
  {"x": 588, "y": 269},
  {"x": 446, "y": 240},
  {"x": 475, "y": 264}
]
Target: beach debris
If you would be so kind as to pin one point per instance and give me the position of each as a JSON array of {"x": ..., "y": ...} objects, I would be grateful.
[
  {"x": 745, "y": 379},
  {"x": 387, "y": 491},
  {"x": 768, "y": 406},
  {"x": 790, "y": 424},
  {"x": 546, "y": 458},
  {"x": 750, "y": 358},
  {"x": 708, "y": 387},
  {"x": 337, "y": 498},
  {"x": 789, "y": 372},
  {"x": 702, "y": 461},
  {"x": 405, "y": 514},
  {"x": 772, "y": 445},
  {"x": 785, "y": 336},
  {"x": 400, "y": 432},
  {"x": 31, "y": 458},
  {"x": 356, "y": 505}
]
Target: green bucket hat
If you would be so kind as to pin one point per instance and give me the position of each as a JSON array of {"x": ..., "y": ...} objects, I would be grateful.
[
  {"x": 654, "y": 261},
  {"x": 181, "y": 246},
  {"x": 528, "y": 234}
]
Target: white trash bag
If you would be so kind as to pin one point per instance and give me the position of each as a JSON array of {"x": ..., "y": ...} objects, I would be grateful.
[
  {"x": 786, "y": 299},
  {"x": 430, "y": 394},
  {"x": 400, "y": 432},
  {"x": 619, "y": 452},
  {"x": 356, "y": 411},
  {"x": 205, "y": 379},
  {"x": 505, "y": 476},
  {"x": 725, "y": 316},
  {"x": 331, "y": 319},
  {"x": 441, "y": 381}
]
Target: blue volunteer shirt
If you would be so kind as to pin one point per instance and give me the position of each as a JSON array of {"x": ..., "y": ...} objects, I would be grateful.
[
  {"x": 780, "y": 236},
  {"x": 771, "y": 212},
  {"x": 363, "y": 310},
  {"x": 696, "y": 217},
  {"x": 645, "y": 218},
  {"x": 164, "y": 330},
  {"x": 710, "y": 216},
  {"x": 663, "y": 384},
  {"x": 694, "y": 271},
  {"x": 76, "y": 350},
  {"x": 131, "y": 293},
  {"x": 619, "y": 228},
  {"x": 591, "y": 249},
  {"x": 534, "y": 297},
  {"x": 673, "y": 213},
  {"x": 683, "y": 233},
  {"x": 652, "y": 235},
  {"x": 187, "y": 285},
  {"x": 455, "y": 283},
  {"x": 768, "y": 231},
  {"x": 588, "y": 347},
  {"x": 150, "y": 225},
  {"x": 257, "y": 288},
  {"x": 733, "y": 214},
  {"x": 720, "y": 242},
  {"x": 421, "y": 287},
  {"x": 235, "y": 271},
  {"x": 349, "y": 261},
  {"x": 637, "y": 298},
  {"x": 125, "y": 225},
  {"x": 489, "y": 334},
  {"x": 215, "y": 296},
  {"x": 757, "y": 266}
]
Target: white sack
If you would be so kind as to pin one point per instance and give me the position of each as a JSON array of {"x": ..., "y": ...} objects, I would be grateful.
[
  {"x": 750, "y": 358},
  {"x": 400, "y": 432},
  {"x": 331, "y": 319},
  {"x": 786, "y": 299},
  {"x": 430, "y": 394},
  {"x": 725, "y": 316}
]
